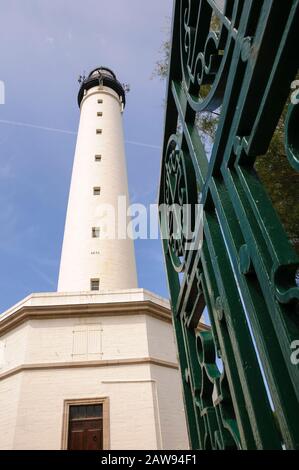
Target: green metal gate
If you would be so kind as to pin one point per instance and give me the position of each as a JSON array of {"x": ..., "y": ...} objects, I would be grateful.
[{"x": 244, "y": 272}]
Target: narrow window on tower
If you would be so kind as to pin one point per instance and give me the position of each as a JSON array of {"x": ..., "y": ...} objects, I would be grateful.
[
  {"x": 100, "y": 101},
  {"x": 99, "y": 131},
  {"x": 98, "y": 158},
  {"x": 94, "y": 284},
  {"x": 95, "y": 232},
  {"x": 97, "y": 191},
  {"x": 100, "y": 114}
]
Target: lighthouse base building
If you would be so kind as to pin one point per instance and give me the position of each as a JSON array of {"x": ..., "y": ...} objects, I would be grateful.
[{"x": 93, "y": 371}]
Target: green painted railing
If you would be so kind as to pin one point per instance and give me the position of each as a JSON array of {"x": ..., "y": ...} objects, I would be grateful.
[{"x": 241, "y": 385}]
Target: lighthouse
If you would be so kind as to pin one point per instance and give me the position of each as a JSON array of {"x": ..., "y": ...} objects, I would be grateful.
[
  {"x": 94, "y": 365},
  {"x": 94, "y": 257}
]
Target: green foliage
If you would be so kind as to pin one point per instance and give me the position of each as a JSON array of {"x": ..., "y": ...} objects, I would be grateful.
[
  {"x": 161, "y": 67},
  {"x": 281, "y": 182}
]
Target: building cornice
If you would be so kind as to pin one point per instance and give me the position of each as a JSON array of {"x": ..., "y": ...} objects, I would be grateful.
[
  {"x": 87, "y": 364},
  {"x": 47, "y": 312}
]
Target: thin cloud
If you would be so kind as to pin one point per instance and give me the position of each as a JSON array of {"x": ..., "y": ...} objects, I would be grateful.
[
  {"x": 42, "y": 275},
  {"x": 141, "y": 144},
  {"x": 34, "y": 126},
  {"x": 65, "y": 131},
  {"x": 50, "y": 40}
]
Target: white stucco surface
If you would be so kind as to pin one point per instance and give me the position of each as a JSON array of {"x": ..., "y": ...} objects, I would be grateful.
[
  {"x": 54, "y": 348},
  {"x": 83, "y": 258}
]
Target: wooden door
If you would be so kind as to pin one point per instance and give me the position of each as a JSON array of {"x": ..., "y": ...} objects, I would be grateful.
[{"x": 85, "y": 431}]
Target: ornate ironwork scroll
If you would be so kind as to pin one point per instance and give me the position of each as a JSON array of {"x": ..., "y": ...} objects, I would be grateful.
[{"x": 241, "y": 387}]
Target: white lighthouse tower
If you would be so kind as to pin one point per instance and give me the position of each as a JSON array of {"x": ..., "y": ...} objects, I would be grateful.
[{"x": 93, "y": 255}]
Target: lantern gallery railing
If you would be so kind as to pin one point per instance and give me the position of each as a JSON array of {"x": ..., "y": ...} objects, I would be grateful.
[{"x": 237, "y": 61}]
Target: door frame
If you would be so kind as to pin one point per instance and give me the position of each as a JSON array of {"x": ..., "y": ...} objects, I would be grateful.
[{"x": 86, "y": 401}]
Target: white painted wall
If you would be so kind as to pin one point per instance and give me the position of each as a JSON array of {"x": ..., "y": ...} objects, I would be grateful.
[
  {"x": 10, "y": 389},
  {"x": 76, "y": 339},
  {"x": 161, "y": 342},
  {"x": 171, "y": 408},
  {"x": 83, "y": 257},
  {"x": 13, "y": 348},
  {"x": 146, "y": 406},
  {"x": 40, "y": 409}
]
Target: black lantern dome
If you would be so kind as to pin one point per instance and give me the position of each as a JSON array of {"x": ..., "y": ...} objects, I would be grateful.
[{"x": 102, "y": 76}]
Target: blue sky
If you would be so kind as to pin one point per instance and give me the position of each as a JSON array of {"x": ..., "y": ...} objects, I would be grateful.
[{"x": 45, "y": 45}]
